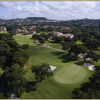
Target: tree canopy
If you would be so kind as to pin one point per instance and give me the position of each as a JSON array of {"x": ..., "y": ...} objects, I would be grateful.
[{"x": 41, "y": 71}]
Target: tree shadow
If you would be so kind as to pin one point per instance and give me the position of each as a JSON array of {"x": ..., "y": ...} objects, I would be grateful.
[
  {"x": 59, "y": 53},
  {"x": 97, "y": 68},
  {"x": 82, "y": 62},
  {"x": 66, "y": 57},
  {"x": 31, "y": 86},
  {"x": 79, "y": 63},
  {"x": 31, "y": 38}
]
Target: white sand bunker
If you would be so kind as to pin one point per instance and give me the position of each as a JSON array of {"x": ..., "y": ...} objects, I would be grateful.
[
  {"x": 90, "y": 66},
  {"x": 52, "y": 67}
]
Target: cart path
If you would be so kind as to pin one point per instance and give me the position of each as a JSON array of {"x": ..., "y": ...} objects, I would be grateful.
[{"x": 43, "y": 46}]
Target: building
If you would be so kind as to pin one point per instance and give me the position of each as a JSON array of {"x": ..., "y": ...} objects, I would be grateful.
[
  {"x": 36, "y": 41},
  {"x": 55, "y": 33},
  {"x": 68, "y": 35},
  {"x": 3, "y": 29}
]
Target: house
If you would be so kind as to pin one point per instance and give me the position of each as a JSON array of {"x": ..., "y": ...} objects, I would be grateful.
[
  {"x": 33, "y": 32},
  {"x": 36, "y": 41},
  {"x": 67, "y": 28},
  {"x": 68, "y": 35},
  {"x": 18, "y": 30},
  {"x": 27, "y": 32},
  {"x": 23, "y": 27},
  {"x": 3, "y": 29},
  {"x": 55, "y": 33},
  {"x": 31, "y": 28}
]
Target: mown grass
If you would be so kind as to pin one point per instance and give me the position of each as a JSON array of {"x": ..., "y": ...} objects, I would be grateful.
[
  {"x": 26, "y": 39},
  {"x": 54, "y": 45},
  {"x": 49, "y": 88},
  {"x": 70, "y": 74}
]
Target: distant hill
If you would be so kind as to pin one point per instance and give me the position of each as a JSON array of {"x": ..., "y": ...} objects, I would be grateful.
[{"x": 36, "y": 18}]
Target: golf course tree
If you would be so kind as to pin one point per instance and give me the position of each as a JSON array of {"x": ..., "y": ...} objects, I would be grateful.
[
  {"x": 39, "y": 37},
  {"x": 93, "y": 55},
  {"x": 25, "y": 46},
  {"x": 12, "y": 33},
  {"x": 77, "y": 49},
  {"x": 89, "y": 90},
  {"x": 45, "y": 36},
  {"x": 41, "y": 40},
  {"x": 57, "y": 39},
  {"x": 91, "y": 43},
  {"x": 66, "y": 46},
  {"x": 81, "y": 36},
  {"x": 11, "y": 52},
  {"x": 67, "y": 39},
  {"x": 13, "y": 80},
  {"x": 41, "y": 71},
  {"x": 35, "y": 36},
  {"x": 5, "y": 36}
]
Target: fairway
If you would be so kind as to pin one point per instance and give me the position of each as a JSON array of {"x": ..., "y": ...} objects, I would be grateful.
[{"x": 70, "y": 74}]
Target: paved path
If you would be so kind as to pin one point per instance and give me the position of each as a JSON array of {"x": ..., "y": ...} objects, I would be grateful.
[
  {"x": 53, "y": 48},
  {"x": 44, "y": 46}
]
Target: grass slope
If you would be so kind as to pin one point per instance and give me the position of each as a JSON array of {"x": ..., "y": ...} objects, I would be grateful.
[{"x": 50, "y": 88}]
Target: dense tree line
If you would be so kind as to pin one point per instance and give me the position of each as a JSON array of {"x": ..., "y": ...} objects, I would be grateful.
[
  {"x": 60, "y": 39},
  {"x": 48, "y": 29},
  {"x": 12, "y": 60},
  {"x": 42, "y": 37},
  {"x": 89, "y": 90}
]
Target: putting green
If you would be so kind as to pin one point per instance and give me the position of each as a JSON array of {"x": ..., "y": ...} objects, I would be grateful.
[{"x": 70, "y": 74}]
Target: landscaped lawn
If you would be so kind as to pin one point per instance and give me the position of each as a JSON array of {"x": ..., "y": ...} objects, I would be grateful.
[
  {"x": 50, "y": 88},
  {"x": 78, "y": 42}
]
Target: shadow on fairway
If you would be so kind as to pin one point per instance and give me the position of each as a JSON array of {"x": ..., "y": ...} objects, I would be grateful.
[
  {"x": 30, "y": 38},
  {"x": 79, "y": 63},
  {"x": 66, "y": 57},
  {"x": 31, "y": 86},
  {"x": 82, "y": 62}
]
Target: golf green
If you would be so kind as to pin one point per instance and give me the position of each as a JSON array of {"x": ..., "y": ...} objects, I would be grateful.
[{"x": 70, "y": 74}]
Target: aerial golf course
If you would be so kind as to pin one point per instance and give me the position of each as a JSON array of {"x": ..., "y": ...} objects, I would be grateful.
[{"x": 68, "y": 75}]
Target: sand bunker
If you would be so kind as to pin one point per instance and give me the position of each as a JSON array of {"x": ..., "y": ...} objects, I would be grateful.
[
  {"x": 52, "y": 67},
  {"x": 90, "y": 66}
]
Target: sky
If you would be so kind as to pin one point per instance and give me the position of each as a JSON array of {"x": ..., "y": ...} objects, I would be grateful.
[{"x": 58, "y": 10}]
